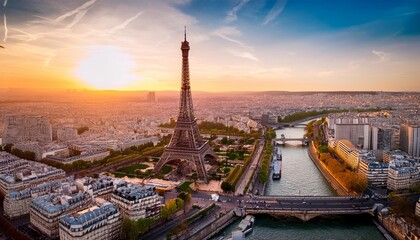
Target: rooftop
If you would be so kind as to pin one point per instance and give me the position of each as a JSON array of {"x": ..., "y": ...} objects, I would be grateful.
[
  {"x": 89, "y": 217},
  {"x": 134, "y": 192}
]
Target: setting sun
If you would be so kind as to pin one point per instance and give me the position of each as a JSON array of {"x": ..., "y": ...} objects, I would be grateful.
[{"x": 106, "y": 67}]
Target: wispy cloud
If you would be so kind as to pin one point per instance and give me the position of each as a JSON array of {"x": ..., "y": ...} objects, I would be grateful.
[
  {"x": 49, "y": 59},
  {"x": 227, "y": 32},
  {"x": 5, "y": 3},
  {"x": 125, "y": 23},
  {"x": 243, "y": 54},
  {"x": 78, "y": 13},
  {"x": 383, "y": 56},
  {"x": 409, "y": 13},
  {"x": 274, "y": 12},
  {"x": 5, "y": 28},
  {"x": 231, "y": 15}
]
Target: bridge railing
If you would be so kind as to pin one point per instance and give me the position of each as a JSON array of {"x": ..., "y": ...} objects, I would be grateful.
[
  {"x": 298, "y": 197},
  {"x": 318, "y": 210}
]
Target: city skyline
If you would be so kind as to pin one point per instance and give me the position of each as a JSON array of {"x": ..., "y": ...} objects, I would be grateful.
[{"x": 235, "y": 46}]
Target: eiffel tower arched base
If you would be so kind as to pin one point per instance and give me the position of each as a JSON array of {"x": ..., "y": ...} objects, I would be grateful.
[{"x": 196, "y": 156}]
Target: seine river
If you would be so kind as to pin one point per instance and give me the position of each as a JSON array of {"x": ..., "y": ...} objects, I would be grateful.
[{"x": 300, "y": 176}]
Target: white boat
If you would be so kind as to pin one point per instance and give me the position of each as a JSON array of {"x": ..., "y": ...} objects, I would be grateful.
[{"x": 246, "y": 224}]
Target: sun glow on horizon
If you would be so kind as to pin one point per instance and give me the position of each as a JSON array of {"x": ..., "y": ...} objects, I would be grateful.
[{"x": 107, "y": 68}]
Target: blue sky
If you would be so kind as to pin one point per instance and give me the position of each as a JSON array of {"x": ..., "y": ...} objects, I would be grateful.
[{"x": 235, "y": 44}]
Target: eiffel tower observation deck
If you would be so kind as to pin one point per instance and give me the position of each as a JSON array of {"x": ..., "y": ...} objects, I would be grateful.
[{"x": 186, "y": 142}]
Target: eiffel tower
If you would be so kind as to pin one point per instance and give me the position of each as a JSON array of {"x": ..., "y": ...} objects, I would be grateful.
[{"x": 186, "y": 142}]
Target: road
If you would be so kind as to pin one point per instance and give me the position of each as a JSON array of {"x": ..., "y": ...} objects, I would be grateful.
[
  {"x": 248, "y": 172},
  {"x": 296, "y": 203},
  {"x": 161, "y": 231}
]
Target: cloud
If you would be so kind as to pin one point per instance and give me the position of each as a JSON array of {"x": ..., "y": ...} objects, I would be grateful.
[
  {"x": 231, "y": 15},
  {"x": 78, "y": 13},
  {"x": 274, "y": 12},
  {"x": 5, "y": 28},
  {"x": 243, "y": 54},
  {"x": 125, "y": 23},
  {"x": 49, "y": 58},
  {"x": 5, "y": 3},
  {"x": 227, "y": 32},
  {"x": 409, "y": 13},
  {"x": 383, "y": 56}
]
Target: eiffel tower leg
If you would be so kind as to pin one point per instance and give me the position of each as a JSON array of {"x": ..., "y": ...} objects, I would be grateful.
[
  {"x": 162, "y": 161},
  {"x": 199, "y": 165}
]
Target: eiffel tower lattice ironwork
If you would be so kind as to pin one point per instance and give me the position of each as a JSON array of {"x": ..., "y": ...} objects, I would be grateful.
[{"x": 186, "y": 142}]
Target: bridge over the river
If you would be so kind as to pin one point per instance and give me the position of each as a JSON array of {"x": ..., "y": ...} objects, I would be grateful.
[
  {"x": 282, "y": 140},
  {"x": 308, "y": 207}
]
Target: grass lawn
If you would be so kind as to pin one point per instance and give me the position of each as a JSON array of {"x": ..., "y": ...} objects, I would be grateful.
[
  {"x": 166, "y": 169},
  {"x": 185, "y": 187},
  {"x": 132, "y": 169}
]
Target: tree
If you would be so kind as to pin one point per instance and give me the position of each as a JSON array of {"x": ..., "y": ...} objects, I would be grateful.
[
  {"x": 179, "y": 203},
  {"x": 8, "y": 147},
  {"x": 143, "y": 224},
  {"x": 359, "y": 183},
  {"x": 81, "y": 130},
  {"x": 165, "y": 212},
  {"x": 226, "y": 186},
  {"x": 171, "y": 207},
  {"x": 130, "y": 229},
  {"x": 186, "y": 197}
]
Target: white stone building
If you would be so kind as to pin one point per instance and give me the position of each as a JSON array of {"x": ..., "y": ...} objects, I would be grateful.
[
  {"x": 137, "y": 201},
  {"x": 101, "y": 222}
]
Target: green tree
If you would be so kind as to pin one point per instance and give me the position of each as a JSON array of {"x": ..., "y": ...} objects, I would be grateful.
[
  {"x": 186, "y": 197},
  {"x": 226, "y": 187},
  {"x": 143, "y": 224},
  {"x": 130, "y": 229}
]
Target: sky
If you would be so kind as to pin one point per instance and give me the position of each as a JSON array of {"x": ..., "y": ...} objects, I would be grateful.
[{"x": 236, "y": 45}]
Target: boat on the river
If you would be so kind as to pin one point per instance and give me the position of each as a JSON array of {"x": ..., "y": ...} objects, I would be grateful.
[
  {"x": 246, "y": 224},
  {"x": 277, "y": 163}
]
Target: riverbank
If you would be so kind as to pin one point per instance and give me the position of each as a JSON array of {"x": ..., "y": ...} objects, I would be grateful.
[
  {"x": 335, "y": 184},
  {"x": 209, "y": 226},
  {"x": 383, "y": 230}
]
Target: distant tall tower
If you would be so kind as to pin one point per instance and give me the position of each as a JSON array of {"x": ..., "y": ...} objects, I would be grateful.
[
  {"x": 151, "y": 97},
  {"x": 187, "y": 143}
]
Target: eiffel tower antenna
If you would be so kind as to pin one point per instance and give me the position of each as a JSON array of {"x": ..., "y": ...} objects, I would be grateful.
[{"x": 186, "y": 142}]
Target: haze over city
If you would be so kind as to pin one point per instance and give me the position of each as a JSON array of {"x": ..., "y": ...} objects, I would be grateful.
[{"x": 237, "y": 45}]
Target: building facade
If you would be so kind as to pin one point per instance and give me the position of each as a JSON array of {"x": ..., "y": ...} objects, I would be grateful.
[
  {"x": 101, "y": 187},
  {"x": 17, "y": 174},
  {"x": 410, "y": 139},
  {"x": 102, "y": 222},
  {"x": 375, "y": 172},
  {"x": 357, "y": 134},
  {"x": 17, "y": 204},
  {"x": 22, "y": 128},
  {"x": 382, "y": 138},
  {"x": 46, "y": 211},
  {"x": 403, "y": 174},
  {"x": 137, "y": 202},
  {"x": 348, "y": 153}
]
